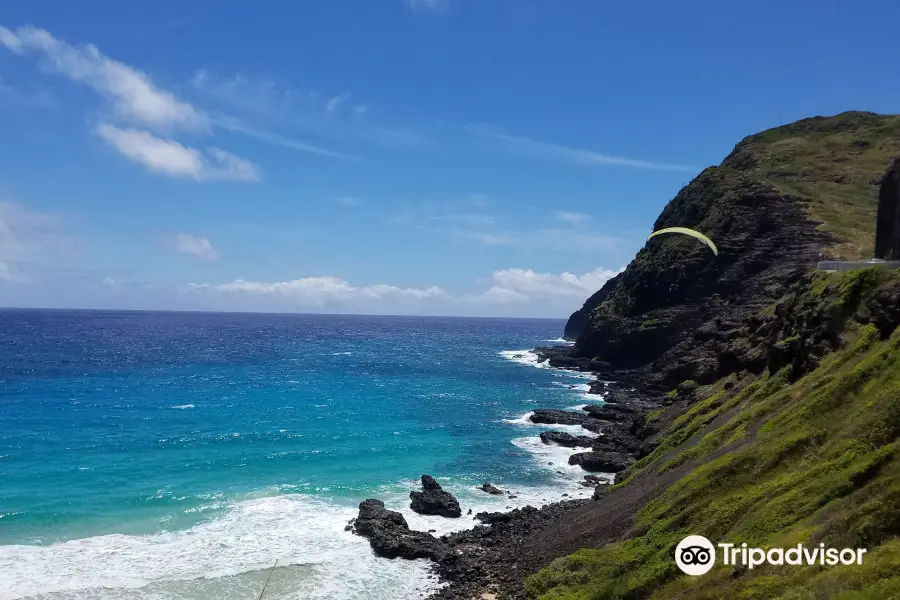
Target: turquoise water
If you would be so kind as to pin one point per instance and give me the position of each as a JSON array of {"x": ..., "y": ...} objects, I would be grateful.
[{"x": 161, "y": 455}]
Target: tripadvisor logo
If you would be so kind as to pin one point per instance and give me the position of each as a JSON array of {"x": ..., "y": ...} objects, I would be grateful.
[{"x": 696, "y": 555}]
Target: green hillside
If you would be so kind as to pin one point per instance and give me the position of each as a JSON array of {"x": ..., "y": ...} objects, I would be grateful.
[
  {"x": 773, "y": 462},
  {"x": 833, "y": 162},
  {"x": 792, "y": 433}
]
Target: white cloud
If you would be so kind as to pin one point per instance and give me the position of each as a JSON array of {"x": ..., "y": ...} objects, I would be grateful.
[
  {"x": 432, "y": 6},
  {"x": 525, "y": 289},
  {"x": 572, "y": 217},
  {"x": 529, "y": 147},
  {"x": 322, "y": 291},
  {"x": 131, "y": 92},
  {"x": 348, "y": 201},
  {"x": 200, "y": 247},
  {"x": 135, "y": 99},
  {"x": 545, "y": 285},
  {"x": 170, "y": 158},
  {"x": 499, "y": 295}
]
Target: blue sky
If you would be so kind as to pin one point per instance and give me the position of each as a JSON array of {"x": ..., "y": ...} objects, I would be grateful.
[{"x": 471, "y": 157}]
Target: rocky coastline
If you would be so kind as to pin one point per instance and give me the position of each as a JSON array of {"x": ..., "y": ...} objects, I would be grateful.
[
  {"x": 704, "y": 345},
  {"x": 495, "y": 555}
]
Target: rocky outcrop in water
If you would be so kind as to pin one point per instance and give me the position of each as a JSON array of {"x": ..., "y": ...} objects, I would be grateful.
[
  {"x": 491, "y": 489},
  {"x": 601, "y": 462},
  {"x": 557, "y": 417},
  {"x": 561, "y": 438},
  {"x": 390, "y": 535},
  {"x": 433, "y": 500}
]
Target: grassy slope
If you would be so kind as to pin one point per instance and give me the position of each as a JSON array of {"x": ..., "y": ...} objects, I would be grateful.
[
  {"x": 836, "y": 167},
  {"x": 775, "y": 462}
]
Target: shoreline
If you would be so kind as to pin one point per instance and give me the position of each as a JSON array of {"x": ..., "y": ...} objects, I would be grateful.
[
  {"x": 495, "y": 554},
  {"x": 493, "y": 559}
]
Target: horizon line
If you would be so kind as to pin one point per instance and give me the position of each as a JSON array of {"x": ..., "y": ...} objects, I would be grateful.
[{"x": 252, "y": 312}]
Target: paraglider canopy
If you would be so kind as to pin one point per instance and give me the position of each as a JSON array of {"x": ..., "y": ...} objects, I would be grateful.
[{"x": 690, "y": 232}]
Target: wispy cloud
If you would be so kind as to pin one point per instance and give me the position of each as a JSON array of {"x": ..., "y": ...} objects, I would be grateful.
[
  {"x": 428, "y": 6},
  {"x": 572, "y": 217},
  {"x": 168, "y": 157},
  {"x": 130, "y": 92},
  {"x": 267, "y": 105},
  {"x": 196, "y": 245},
  {"x": 474, "y": 220},
  {"x": 136, "y": 100},
  {"x": 526, "y": 146},
  {"x": 334, "y": 104},
  {"x": 28, "y": 240},
  {"x": 232, "y": 124},
  {"x": 348, "y": 201},
  {"x": 464, "y": 210},
  {"x": 555, "y": 239}
]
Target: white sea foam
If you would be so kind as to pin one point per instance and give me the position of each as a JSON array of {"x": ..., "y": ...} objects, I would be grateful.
[
  {"x": 183, "y": 406},
  {"x": 525, "y": 357},
  {"x": 561, "y": 341},
  {"x": 525, "y": 421},
  {"x": 226, "y": 557},
  {"x": 583, "y": 388},
  {"x": 568, "y": 373}
]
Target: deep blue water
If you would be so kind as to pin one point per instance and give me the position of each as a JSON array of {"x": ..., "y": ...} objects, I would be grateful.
[{"x": 230, "y": 440}]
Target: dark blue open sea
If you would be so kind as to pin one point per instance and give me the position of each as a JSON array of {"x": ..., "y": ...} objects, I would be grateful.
[{"x": 178, "y": 455}]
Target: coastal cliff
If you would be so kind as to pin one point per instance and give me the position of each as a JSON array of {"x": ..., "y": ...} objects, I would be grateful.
[
  {"x": 768, "y": 392},
  {"x": 781, "y": 201}
]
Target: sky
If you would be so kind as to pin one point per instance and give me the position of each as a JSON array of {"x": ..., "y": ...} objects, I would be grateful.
[{"x": 444, "y": 157}]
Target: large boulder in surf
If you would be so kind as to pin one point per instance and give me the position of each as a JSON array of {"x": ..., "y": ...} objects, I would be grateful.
[
  {"x": 557, "y": 417},
  {"x": 601, "y": 462},
  {"x": 390, "y": 536},
  {"x": 491, "y": 489},
  {"x": 561, "y": 438},
  {"x": 433, "y": 500}
]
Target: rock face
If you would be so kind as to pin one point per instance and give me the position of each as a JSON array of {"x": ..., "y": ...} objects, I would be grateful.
[
  {"x": 568, "y": 440},
  {"x": 673, "y": 312},
  {"x": 887, "y": 232},
  {"x": 601, "y": 462},
  {"x": 557, "y": 417},
  {"x": 491, "y": 489},
  {"x": 494, "y": 517},
  {"x": 617, "y": 413},
  {"x": 432, "y": 500},
  {"x": 390, "y": 536}
]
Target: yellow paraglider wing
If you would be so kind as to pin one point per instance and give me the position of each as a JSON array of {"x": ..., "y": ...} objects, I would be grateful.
[{"x": 690, "y": 232}]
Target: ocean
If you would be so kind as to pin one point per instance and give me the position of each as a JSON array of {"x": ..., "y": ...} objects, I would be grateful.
[{"x": 180, "y": 455}]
